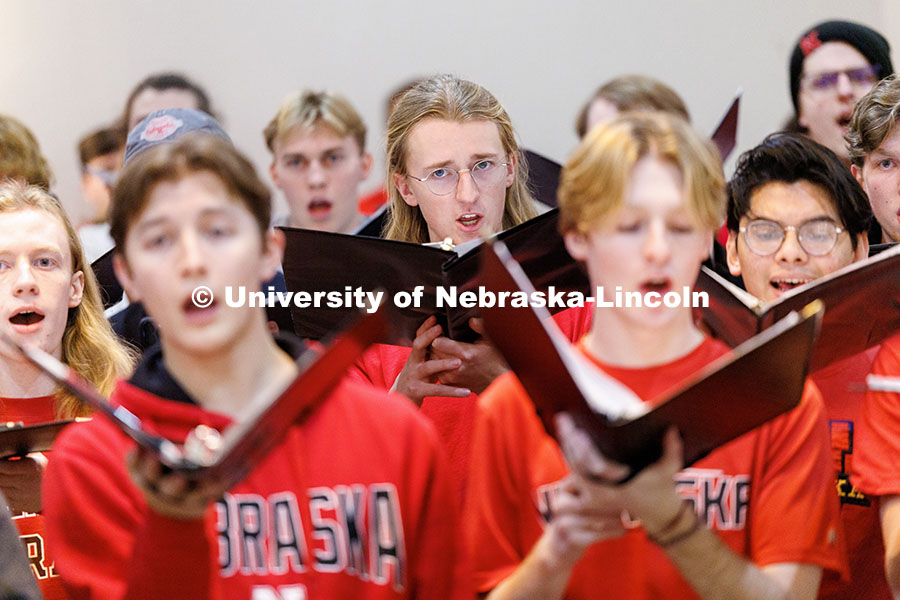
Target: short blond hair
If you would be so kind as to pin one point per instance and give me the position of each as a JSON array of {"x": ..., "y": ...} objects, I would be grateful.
[
  {"x": 454, "y": 99},
  {"x": 593, "y": 182},
  {"x": 304, "y": 111}
]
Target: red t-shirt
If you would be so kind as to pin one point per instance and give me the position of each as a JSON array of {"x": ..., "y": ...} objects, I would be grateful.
[
  {"x": 768, "y": 494},
  {"x": 354, "y": 503},
  {"x": 31, "y": 411},
  {"x": 453, "y": 417},
  {"x": 875, "y": 471},
  {"x": 841, "y": 385}
]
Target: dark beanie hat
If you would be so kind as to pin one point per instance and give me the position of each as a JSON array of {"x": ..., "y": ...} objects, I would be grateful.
[{"x": 869, "y": 42}]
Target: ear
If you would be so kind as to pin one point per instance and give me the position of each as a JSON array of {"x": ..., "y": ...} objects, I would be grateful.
[
  {"x": 273, "y": 253},
  {"x": 273, "y": 173},
  {"x": 511, "y": 169},
  {"x": 77, "y": 289},
  {"x": 123, "y": 274},
  {"x": 862, "y": 247},
  {"x": 858, "y": 174},
  {"x": 366, "y": 165},
  {"x": 734, "y": 262},
  {"x": 405, "y": 189},
  {"x": 576, "y": 244}
]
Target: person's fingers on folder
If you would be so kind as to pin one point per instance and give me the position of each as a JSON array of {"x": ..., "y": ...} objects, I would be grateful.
[
  {"x": 418, "y": 379},
  {"x": 170, "y": 494},
  {"x": 481, "y": 362},
  {"x": 20, "y": 481},
  {"x": 651, "y": 495},
  {"x": 579, "y": 521},
  {"x": 583, "y": 457}
]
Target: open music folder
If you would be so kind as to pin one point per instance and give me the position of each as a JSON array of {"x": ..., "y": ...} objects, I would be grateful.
[
  {"x": 862, "y": 307},
  {"x": 325, "y": 262},
  {"x": 733, "y": 394},
  {"x": 230, "y": 456}
]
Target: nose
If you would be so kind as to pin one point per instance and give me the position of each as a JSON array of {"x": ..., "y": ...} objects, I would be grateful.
[
  {"x": 466, "y": 188},
  {"x": 315, "y": 174},
  {"x": 844, "y": 86},
  {"x": 657, "y": 246},
  {"x": 192, "y": 259},
  {"x": 25, "y": 283},
  {"x": 791, "y": 251}
]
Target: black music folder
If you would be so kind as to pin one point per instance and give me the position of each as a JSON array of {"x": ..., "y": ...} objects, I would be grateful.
[
  {"x": 730, "y": 396},
  {"x": 862, "y": 307},
  {"x": 325, "y": 262}
]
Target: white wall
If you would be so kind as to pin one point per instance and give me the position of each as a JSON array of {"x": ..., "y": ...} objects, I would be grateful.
[{"x": 66, "y": 66}]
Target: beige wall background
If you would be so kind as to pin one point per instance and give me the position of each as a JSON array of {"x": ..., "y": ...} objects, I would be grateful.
[{"x": 66, "y": 66}]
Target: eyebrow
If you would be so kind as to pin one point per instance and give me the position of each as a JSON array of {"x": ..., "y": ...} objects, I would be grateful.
[
  {"x": 883, "y": 153},
  {"x": 751, "y": 217},
  {"x": 165, "y": 219},
  {"x": 472, "y": 159},
  {"x": 326, "y": 151}
]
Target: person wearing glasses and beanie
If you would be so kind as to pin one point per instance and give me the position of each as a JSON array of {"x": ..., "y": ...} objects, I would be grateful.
[
  {"x": 832, "y": 66},
  {"x": 795, "y": 214}
]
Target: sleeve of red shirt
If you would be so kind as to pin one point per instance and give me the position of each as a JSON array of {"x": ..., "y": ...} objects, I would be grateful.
[
  {"x": 876, "y": 457},
  {"x": 107, "y": 544},
  {"x": 795, "y": 515}
]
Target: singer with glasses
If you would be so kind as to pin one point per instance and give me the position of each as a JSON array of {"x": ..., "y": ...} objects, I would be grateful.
[
  {"x": 832, "y": 66},
  {"x": 454, "y": 171},
  {"x": 795, "y": 214}
]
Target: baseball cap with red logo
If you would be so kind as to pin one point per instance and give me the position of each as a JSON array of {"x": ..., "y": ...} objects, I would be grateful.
[{"x": 168, "y": 125}]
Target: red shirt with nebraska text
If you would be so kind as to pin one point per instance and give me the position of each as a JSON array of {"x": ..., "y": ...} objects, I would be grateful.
[
  {"x": 355, "y": 502},
  {"x": 768, "y": 494},
  {"x": 32, "y": 411}
]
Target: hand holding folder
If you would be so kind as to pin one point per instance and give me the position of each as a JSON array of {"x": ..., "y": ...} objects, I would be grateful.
[{"x": 761, "y": 383}]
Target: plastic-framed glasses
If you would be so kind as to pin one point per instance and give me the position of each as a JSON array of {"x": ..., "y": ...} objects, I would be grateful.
[
  {"x": 863, "y": 77},
  {"x": 816, "y": 237},
  {"x": 443, "y": 180}
]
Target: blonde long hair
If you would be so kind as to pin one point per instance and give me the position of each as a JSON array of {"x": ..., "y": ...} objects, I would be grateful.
[
  {"x": 89, "y": 345},
  {"x": 448, "y": 97}
]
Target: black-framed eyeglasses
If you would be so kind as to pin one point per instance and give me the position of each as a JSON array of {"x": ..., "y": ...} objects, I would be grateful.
[
  {"x": 443, "y": 180},
  {"x": 863, "y": 77},
  {"x": 816, "y": 237}
]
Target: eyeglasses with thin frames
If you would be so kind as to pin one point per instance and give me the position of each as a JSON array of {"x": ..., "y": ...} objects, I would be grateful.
[
  {"x": 443, "y": 180},
  {"x": 817, "y": 237}
]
